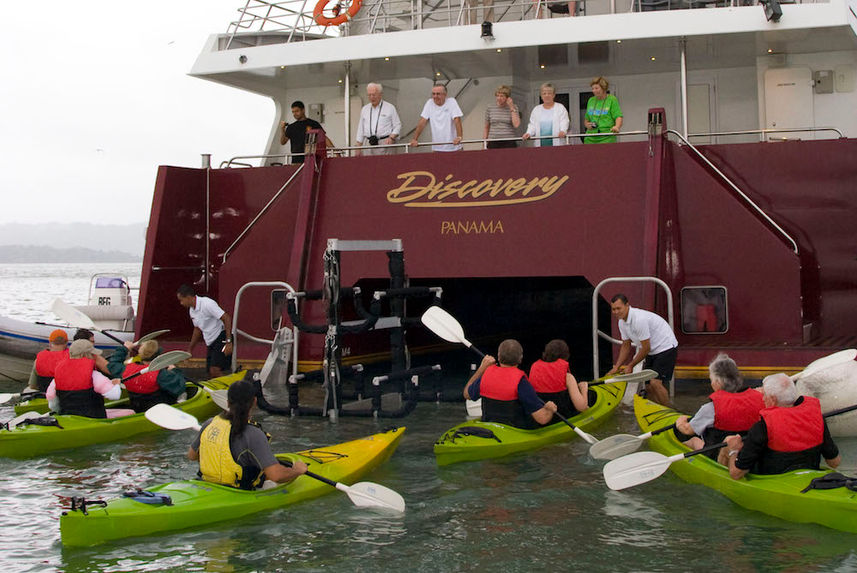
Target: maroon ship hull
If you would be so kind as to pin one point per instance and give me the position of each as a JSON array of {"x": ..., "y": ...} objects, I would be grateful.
[{"x": 518, "y": 238}]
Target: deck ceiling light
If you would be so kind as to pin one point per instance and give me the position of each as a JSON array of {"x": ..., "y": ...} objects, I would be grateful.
[{"x": 487, "y": 32}]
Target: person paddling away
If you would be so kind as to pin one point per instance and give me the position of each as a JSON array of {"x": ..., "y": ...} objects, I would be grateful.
[
  {"x": 733, "y": 408},
  {"x": 553, "y": 382},
  {"x": 792, "y": 434},
  {"x": 79, "y": 388},
  {"x": 46, "y": 361},
  {"x": 507, "y": 395},
  {"x": 234, "y": 452},
  {"x": 146, "y": 390}
]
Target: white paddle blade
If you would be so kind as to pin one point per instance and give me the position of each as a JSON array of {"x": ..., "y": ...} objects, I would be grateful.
[
  {"x": 168, "y": 359},
  {"x": 635, "y": 469},
  {"x": 151, "y": 336},
  {"x": 615, "y": 446},
  {"x": 834, "y": 359},
  {"x": 474, "y": 408},
  {"x": 219, "y": 397},
  {"x": 444, "y": 325},
  {"x": 368, "y": 494},
  {"x": 171, "y": 418},
  {"x": 71, "y": 315},
  {"x": 8, "y": 397}
]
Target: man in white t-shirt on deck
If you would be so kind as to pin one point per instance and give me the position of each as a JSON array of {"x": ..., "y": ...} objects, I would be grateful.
[
  {"x": 213, "y": 325},
  {"x": 658, "y": 347},
  {"x": 445, "y": 117}
]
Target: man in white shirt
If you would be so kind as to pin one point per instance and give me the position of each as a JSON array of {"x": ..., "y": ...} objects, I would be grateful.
[
  {"x": 445, "y": 117},
  {"x": 212, "y": 324},
  {"x": 379, "y": 123},
  {"x": 658, "y": 347}
]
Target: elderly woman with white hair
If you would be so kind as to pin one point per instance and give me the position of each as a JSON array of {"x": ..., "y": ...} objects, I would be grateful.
[
  {"x": 792, "y": 434},
  {"x": 733, "y": 408},
  {"x": 549, "y": 121}
]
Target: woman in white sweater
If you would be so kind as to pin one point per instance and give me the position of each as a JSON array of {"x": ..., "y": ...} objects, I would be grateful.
[{"x": 549, "y": 118}]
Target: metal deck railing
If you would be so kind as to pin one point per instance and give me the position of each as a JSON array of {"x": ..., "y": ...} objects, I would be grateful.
[{"x": 292, "y": 20}]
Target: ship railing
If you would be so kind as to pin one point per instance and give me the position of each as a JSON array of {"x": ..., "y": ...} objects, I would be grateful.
[
  {"x": 597, "y": 333},
  {"x": 261, "y": 212},
  {"x": 292, "y": 20},
  {"x": 354, "y": 150},
  {"x": 788, "y": 238},
  {"x": 290, "y": 342},
  {"x": 764, "y": 134}
]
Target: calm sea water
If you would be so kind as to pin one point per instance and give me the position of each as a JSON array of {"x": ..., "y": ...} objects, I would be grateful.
[{"x": 546, "y": 511}]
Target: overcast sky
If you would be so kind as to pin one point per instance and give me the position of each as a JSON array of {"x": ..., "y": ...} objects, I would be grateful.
[{"x": 95, "y": 95}]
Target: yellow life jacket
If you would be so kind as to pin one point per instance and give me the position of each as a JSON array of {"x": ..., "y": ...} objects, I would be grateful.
[{"x": 216, "y": 464}]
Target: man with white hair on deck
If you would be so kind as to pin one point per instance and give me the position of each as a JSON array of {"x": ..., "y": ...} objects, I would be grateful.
[
  {"x": 379, "y": 123},
  {"x": 792, "y": 434}
]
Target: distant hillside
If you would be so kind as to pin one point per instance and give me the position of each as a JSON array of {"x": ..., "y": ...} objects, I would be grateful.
[
  {"x": 40, "y": 254},
  {"x": 127, "y": 239}
]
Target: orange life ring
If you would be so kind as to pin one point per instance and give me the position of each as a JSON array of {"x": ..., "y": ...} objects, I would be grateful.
[{"x": 338, "y": 19}]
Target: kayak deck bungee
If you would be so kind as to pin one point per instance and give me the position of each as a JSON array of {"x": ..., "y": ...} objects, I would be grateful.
[
  {"x": 778, "y": 495},
  {"x": 477, "y": 440},
  {"x": 196, "y": 503},
  {"x": 76, "y": 431}
]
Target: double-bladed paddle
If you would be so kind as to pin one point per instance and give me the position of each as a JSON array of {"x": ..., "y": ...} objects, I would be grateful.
[
  {"x": 363, "y": 494},
  {"x": 77, "y": 319},
  {"x": 447, "y": 327},
  {"x": 160, "y": 362},
  {"x": 641, "y": 467},
  {"x": 623, "y": 444}
]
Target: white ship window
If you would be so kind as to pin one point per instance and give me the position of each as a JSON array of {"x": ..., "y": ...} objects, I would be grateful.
[{"x": 704, "y": 310}]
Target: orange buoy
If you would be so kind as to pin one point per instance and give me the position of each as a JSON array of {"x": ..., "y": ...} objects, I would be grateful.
[{"x": 338, "y": 18}]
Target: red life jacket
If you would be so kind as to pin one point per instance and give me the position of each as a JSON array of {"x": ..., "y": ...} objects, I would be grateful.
[
  {"x": 549, "y": 376},
  {"x": 73, "y": 381},
  {"x": 143, "y": 384},
  {"x": 74, "y": 374},
  {"x": 795, "y": 428},
  {"x": 47, "y": 360},
  {"x": 500, "y": 383},
  {"x": 736, "y": 411}
]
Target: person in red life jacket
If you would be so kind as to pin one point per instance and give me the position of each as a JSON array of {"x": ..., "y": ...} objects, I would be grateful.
[
  {"x": 100, "y": 361},
  {"x": 46, "y": 361},
  {"x": 733, "y": 408},
  {"x": 146, "y": 390},
  {"x": 792, "y": 434},
  {"x": 79, "y": 388},
  {"x": 507, "y": 395},
  {"x": 552, "y": 381},
  {"x": 232, "y": 451}
]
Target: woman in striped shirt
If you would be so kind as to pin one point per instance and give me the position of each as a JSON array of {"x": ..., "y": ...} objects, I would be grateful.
[{"x": 502, "y": 119}]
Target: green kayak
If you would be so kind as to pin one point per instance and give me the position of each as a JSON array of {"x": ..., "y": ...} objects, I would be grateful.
[
  {"x": 477, "y": 440},
  {"x": 40, "y": 405},
  {"x": 778, "y": 495},
  {"x": 74, "y": 431},
  {"x": 196, "y": 503}
]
